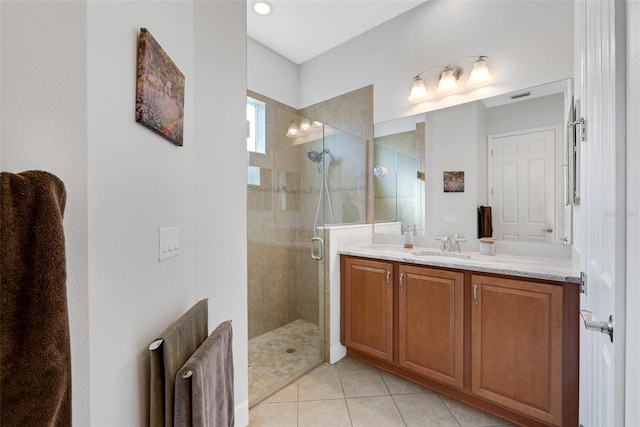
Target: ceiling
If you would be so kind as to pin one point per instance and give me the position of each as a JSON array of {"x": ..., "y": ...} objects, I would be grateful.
[{"x": 302, "y": 29}]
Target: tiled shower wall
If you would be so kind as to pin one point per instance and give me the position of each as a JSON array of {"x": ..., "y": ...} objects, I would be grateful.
[{"x": 283, "y": 279}]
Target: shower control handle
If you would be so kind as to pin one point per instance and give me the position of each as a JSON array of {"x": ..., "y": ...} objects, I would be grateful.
[{"x": 317, "y": 242}]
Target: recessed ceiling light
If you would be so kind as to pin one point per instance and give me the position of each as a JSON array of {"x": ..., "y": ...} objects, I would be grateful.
[{"x": 262, "y": 7}]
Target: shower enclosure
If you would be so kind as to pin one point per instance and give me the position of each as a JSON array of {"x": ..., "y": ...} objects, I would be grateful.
[{"x": 302, "y": 175}]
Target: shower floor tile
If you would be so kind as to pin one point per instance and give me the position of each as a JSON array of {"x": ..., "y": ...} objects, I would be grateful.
[{"x": 273, "y": 367}]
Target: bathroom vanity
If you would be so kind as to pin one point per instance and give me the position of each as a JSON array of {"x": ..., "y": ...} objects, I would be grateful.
[{"x": 497, "y": 332}]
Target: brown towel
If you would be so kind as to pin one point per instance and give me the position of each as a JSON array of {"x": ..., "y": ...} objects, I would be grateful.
[
  {"x": 180, "y": 340},
  {"x": 205, "y": 397},
  {"x": 34, "y": 338},
  {"x": 485, "y": 222}
]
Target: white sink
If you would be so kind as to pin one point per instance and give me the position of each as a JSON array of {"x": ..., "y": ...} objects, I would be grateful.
[{"x": 437, "y": 253}]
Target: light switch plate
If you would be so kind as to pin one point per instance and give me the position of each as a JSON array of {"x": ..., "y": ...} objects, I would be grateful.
[{"x": 169, "y": 242}]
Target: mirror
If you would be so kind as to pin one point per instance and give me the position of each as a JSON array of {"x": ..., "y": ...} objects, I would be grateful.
[{"x": 509, "y": 152}]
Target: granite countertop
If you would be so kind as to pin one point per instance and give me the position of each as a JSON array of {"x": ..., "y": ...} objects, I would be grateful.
[{"x": 556, "y": 269}]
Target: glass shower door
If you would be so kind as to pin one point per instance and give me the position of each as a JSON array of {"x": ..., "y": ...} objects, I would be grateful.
[{"x": 286, "y": 283}]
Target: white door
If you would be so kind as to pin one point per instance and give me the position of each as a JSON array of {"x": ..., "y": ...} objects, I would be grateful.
[
  {"x": 602, "y": 206},
  {"x": 522, "y": 184},
  {"x": 632, "y": 294}
]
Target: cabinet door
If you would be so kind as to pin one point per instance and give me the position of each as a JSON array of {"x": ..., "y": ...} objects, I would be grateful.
[
  {"x": 516, "y": 345},
  {"x": 431, "y": 323},
  {"x": 369, "y": 307}
]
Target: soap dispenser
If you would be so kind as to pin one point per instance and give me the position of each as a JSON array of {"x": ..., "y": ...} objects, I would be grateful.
[{"x": 408, "y": 237}]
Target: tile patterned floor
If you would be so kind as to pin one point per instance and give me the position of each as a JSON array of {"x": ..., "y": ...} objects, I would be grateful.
[
  {"x": 353, "y": 394},
  {"x": 272, "y": 366}
]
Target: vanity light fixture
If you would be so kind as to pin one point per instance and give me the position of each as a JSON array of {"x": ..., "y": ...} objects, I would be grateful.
[
  {"x": 305, "y": 124},
  {"x": 449, "y": 77},
  {"x": 303, "y": 128},
  {"x": 262, "y": 7},
  {"x": 293, "y": 129}
]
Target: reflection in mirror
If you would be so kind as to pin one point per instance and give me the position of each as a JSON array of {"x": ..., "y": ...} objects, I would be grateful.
[
  {"x": 288, "y": 190},
  {"x": 259, "y": 182},
  {"x": 399, "y": 181},
  {"x": 513, "y": 151}
]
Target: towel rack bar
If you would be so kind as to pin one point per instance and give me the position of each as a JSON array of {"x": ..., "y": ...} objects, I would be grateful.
[{"x": 156, "y": 344}]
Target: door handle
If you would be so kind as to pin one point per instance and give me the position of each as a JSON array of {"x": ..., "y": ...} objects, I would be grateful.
[
  {"x": 319, "y": 245},
  {"x": 547, "y": 230},
  {"x": 595, "y": 325}
]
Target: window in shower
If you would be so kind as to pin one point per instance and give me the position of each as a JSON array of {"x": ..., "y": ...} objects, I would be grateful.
[{"x": 256, "y": 126}]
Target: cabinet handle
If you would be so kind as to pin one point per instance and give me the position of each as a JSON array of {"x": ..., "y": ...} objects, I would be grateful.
[
  {"x": 402, "y": 281},
  {"x": 388, "y": 279},
  {"x": 475, "y": 294}
]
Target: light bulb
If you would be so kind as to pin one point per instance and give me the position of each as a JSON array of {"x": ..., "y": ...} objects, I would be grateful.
[
  {"x": 479, "y": 74},
  {"x": 293, "y": 129},
  {"x": 305, "y": 124},
  {"x": 262, "y": 7},
  {"x": 447, "y": 81},
  {"x": 418, "y": 90}
]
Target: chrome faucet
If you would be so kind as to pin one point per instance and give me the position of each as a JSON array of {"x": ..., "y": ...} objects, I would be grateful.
[
  {"x": 445, "y": 243},
  {"x": 451, "y": 244}
]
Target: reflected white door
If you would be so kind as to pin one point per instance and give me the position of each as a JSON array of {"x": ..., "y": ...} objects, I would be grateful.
[
  {"x": 522, "y": 184},
  {"x": 602, "y": 210}
]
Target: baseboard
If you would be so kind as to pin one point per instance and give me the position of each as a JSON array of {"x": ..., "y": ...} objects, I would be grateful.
[
  {"x": 242, "y": 413},
  {"x": 337, "y": 352}
]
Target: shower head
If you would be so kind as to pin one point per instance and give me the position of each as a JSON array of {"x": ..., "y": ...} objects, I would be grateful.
[{"x": 316, "y": 157}]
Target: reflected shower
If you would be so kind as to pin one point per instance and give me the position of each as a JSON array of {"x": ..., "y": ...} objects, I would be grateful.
[{"x": 316, "y": 157}]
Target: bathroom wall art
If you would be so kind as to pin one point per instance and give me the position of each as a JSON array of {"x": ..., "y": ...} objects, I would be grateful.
[
  {"x": 159, "y": 90},
  {"x": 453, "y": 181}
]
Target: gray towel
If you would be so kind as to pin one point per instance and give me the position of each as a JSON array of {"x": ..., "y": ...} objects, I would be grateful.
[
  {"x": 180, "y": 340},
  {"x": 205, "y": 397}
]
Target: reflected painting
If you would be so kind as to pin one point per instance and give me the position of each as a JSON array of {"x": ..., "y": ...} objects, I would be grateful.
[
  {"x": 159, "y": 90},
  {"x": 453, "y": 181}
]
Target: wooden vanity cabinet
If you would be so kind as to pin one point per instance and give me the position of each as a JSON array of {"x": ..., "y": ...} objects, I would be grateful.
[
  {"x": 368, "y": 307},
  {"x": 431, "y": 323},
  {"x": 516, "y": 345},
  {"x": 504, "y": 344}
]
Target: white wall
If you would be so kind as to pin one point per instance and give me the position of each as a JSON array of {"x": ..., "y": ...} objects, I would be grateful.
[
  {"x": 452, "y": 145},
  {"x": 544, "y": 111},
  {"x": 527, "y": 42},
  {"x": 44, "y": 126},
  {"x": 143, "y": 182},
  {"x": 272, "y": 75},
  {"x": 221, "y": 176},
  {"x": 68, "y": 95},
  {"x": 138, "y": 182}
]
